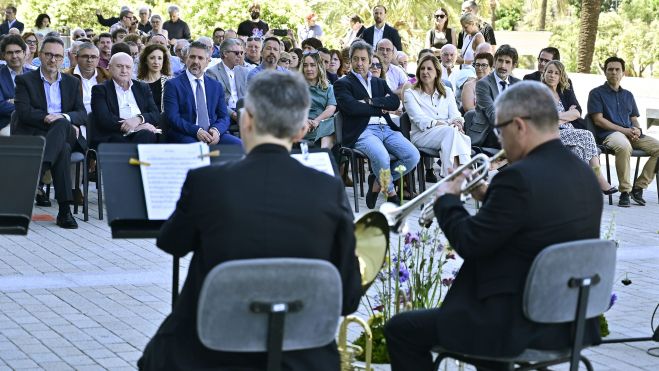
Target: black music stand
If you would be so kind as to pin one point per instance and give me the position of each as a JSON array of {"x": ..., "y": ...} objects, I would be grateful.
[
  {"x": 126, "y": 210},
  {"x": 20, "y": 166}
]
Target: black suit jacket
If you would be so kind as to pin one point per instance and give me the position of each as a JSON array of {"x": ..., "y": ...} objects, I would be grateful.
[
  {"x": 389, "y": 33},
  {"x": 32, "y": 107},
  {"x": 259, "y": 207},
  {"x": 548, "y": 197},
  {"x": 568, "y": 99},
  {"x": 4, "y": 27},
  {"x": 105, "y": 108},
  {"x": 348, "y": 90}
]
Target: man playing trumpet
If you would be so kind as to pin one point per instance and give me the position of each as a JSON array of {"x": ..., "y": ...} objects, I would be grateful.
[{"x": 543, "y": 197}]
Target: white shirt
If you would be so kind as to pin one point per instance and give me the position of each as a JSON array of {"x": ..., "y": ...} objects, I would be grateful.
[
  {"x": 374, "y": 120},
  {"x": 233, "y": 99},
  {"x": 193, "y": 83},
  {"x": 87, "y": 88},
  {"x": 452, "y": 76},
  {"x": 425, "y": 110},
  {"x": 377, "y": 34},
  {"x": 498, "y": 80},
  {"x": 127, "y": 105},
  {"x": 396, "y": 77}
]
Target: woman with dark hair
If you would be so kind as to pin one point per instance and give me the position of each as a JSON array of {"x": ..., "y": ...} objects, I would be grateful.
[
  {"x": 581, "y": 142},
  {"x": 441, "y": 34},
  {"x": 436, "y": 121},
  {"x": 296, "y": 57},
  {"x": 32, "y": 42},
  {"x": 483, "y": 64},
  {"x": 42, "y": 25},
  {"x": 345, "y": 59},
  {"x": 154, "y": 69},
  {"x": 335, "y": 64},
  {"x": 323, "y": 103}
]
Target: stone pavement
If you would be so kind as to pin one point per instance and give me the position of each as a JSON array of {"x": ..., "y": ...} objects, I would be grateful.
[{"x": 81, "y": 300}]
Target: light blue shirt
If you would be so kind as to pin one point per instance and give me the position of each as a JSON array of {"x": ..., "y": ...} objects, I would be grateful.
[
  {"x": 374, "y": 120},
  {"x": 260, "y": 68},
  {"x": 53, "y": 93}
]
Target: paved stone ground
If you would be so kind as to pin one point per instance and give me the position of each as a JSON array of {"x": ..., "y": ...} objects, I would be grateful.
[{"x": 81, "y": 300}]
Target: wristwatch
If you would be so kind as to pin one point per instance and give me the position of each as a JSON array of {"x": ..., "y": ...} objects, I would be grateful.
[{"x": 141, "y": 118}]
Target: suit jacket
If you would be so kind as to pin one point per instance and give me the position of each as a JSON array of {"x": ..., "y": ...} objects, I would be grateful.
[
  {"x": 389, "y": 33},
  {"x": 105, "y": 108},
  {"x": 218, "y": 73},
  {"x": 7, "y": 91},
  {"x": 4, "y": 27},
  {"x": 487, "y": 92},
  {"x": 348, "y": 90},
  {"x": 32, "y": 107},
  {"x": 520, "y": 216},
  {"x": 181, "y": 110},
  {"x": 274, "y": 190}
]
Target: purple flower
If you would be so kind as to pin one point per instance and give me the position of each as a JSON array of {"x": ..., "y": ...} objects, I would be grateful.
[
  {"x": 403, "y": 274},
  {"x": 447, "y": 281},
  {"x": 450, "y": 256},
  {"x": 613, "y": 300},
  {"x": 411, "y": 238}
]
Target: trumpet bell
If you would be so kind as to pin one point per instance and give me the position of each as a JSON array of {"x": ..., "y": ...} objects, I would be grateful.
[{"x": 372, "y": 243}]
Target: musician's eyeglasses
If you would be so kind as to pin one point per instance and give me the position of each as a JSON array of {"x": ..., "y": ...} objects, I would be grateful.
[{"x": 498, "y": 127}]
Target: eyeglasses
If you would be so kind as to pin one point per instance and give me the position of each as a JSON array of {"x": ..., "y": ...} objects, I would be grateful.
[
  {"x": 497, "y": 128},
  {"x": 481, "y": 65},
  {"x": 88, "y": 57},
  {"x": 285, "y": 61},
  {"x": 236, "y": 52},
  {"x": 49, "y": 56},
  {"x": 543, "y": 60},
  {"x": 440, "y": 16},
  {"x": 31, "y": 42},
  {"x": 377, "y": 66},
  {"x": 310, "y": 52}
]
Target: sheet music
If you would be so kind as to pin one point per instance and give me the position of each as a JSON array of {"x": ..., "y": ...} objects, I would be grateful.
[
  {"x": 316, "y": 160},
  {"x": 164, "y": 177}
]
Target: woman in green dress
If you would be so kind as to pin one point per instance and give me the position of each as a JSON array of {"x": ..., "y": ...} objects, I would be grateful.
[{"x": 323, "y": 103}]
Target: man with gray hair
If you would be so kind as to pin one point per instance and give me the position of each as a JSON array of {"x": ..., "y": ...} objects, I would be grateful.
[
  {"x": 524, "y": 210},
  {"x": 88, "y": 71},
  {"x": 143, "y": 24},
  {"x": 175, "y": 26},
  {"x": 395, "y": 76},
  {"x": 271, "y": 184},
  {"x": 448, "y": 56},
  {"x": 231, "y": 74}
]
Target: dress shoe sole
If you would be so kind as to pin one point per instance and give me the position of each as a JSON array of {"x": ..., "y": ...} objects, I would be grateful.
[
  {"x": 639, "y": 202},
  {"x": 624, "y": 205},
  {"x": 67, "y": 225},
  {"x": 371, "y": 197}
]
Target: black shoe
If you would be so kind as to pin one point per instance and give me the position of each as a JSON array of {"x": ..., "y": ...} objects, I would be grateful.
[
  {"x": 624, "y": 200},
  {"x": 66, "y": 220},
  {"x": 610, "y": 191},
  {"x": 394, "y": 200},
  {"x": 637, "y": 196},
  {"x": 371, "y": 197},
  {"x": 430, "y": 176},
  {"x": 41, "y": 198}
]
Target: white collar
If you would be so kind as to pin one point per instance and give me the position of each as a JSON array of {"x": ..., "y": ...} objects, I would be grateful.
[
  {"x": 76, "y": 71},
  {"x": 120, "y": 88}
]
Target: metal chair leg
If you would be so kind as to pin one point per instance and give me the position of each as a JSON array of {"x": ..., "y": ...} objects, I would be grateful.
[
  {"x": 608, "y": 175},
  {"x": 355, "y": 177},
  {"x": 77, "y": 188}
]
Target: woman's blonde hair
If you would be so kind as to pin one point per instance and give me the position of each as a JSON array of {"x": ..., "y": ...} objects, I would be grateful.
[
  {"x": 563, "y": 81},
  {"x": 322, "y": 75}
]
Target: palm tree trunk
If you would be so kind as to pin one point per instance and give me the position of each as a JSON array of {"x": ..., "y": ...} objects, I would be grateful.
[
  {"x": 543, "y": 15},
  {"x": 590, "y": 12}
]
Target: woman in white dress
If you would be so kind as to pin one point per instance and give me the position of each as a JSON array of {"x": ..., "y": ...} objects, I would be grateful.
[{"x": 436, "y": 121}]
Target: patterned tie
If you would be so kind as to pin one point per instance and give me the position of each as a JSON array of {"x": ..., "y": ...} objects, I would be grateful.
[
  {"x": 202, "y": 110},
  {"x": 503, "y": 85}
]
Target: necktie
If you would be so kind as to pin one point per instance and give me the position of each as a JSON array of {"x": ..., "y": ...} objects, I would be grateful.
[
  {"x": 503, "y": 85},
  {"x": 202, "y": 110}
]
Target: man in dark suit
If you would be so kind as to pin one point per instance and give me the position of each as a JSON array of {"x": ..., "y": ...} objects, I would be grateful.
[
  {"x": 482, "y": 312},
  {"x": 194, "y": 104},
  {"x": 13, "y": 51},
  {"x": 274, "y": 188},
  {"x": 545, "y": 56},
  {"x": 10, "y": 21},
  {"x": 363, "y": 101},
  {"x": 231, "y": 74},
  {"x": 380, "y": 30},
  {"x": 49, "y": 103},
  {"x": 481, "y": 130},
  {"x": 123, "y": 109}
]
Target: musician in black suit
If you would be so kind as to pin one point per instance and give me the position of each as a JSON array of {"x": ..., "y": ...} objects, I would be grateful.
[
  {"x": 55, "y": 115},
  {"x": 123, "y": 109},
  {"x": 258, "y": 207},
  {"x": 380, "y": 30},
  {"x": 533, "y": 203}
]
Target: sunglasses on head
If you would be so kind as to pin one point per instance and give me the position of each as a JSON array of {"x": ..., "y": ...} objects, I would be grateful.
[
  {"x": 440, "y": 16},
  {"x": 254, "y": 38},
  {"x": 310, "y": 52}
]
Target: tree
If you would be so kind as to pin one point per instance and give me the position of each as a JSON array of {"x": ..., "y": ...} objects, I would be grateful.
[
  {"x": 543, "y": 15},
  {"x": 587, "y": 34}
]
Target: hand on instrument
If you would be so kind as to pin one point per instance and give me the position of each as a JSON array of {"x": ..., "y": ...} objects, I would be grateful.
[
  {"x": 453, "y": 186},
  {"x": 478, "y": 193}
]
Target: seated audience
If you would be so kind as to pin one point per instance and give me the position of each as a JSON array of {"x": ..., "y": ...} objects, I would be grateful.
[
  {"x": 195, "y": 107},
  {"x": 120, "y": 47},
  {"x": 449, "y": 55},
  {"x": 231, "y": 74},
  {"x": 118, "y": 35},
  {"x": 218, "y": 37},
  {"x": 296, "y": 57},
  {"x": 325, "y": 57},
  {"x": 483, "y": 63},
  {"x": 78, "y": 33},
  {"x": 13, "y": 50},
  {"x": 123, "y": 109},
  {"x": 284, "y": 60},
  {"x": 441, "y": 34},
  {"x": 88, "y": 72},
  {"x": 323, "y": 104},
  {"x": 311, "y": 44},
  {"x": 362, "y": 101},
  {"x": 269, "y": 58},
  {"x": 32, "y": 48},
  {"x": 436, "y": 121},
  {"x": 546, "y": 55},
  {"x": 144, "y": 24},
  {"x": 253, "y": 51},
  {"x": 56, "y": 115},
  {"x": 104, "y": 45},
  {"x": 395, "y": 76},
  {"x": 580, "y": 141},
  {"x": 614, "y": 112},
  {"x": 335, "y": 66},
  {"x": 154, "y": 70}
]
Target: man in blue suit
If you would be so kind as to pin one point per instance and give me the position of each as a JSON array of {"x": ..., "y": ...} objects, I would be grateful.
[
  {"x": 10, "y": 21},
  {"x": 194, "y": 105},
  {"x": 13, "y": 51}
]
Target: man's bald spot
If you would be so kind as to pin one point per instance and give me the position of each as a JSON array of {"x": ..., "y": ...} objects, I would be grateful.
[
  {"x": 449, "y": 48},
  {"x": 121, "y": 58}
]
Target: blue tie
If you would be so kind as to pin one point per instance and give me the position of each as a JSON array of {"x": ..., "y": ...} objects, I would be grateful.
[
  {"x": 503, "y": 85},
  {"x": 202, "y": 110}
]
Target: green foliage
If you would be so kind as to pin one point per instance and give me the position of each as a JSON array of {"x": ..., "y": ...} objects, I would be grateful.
[
  {"x": 380, "y": 353},
  {"x": 70, "y": 13},
  {"x": 509, "y": 14},
  {"x": 604, "y": 326},
  {"x": 645, "y": 11}
]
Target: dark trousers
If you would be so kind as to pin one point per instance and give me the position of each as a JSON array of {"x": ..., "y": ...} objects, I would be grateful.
[
  {"x": 57, "y": 153},
  {"x": 142, "y": 136}
]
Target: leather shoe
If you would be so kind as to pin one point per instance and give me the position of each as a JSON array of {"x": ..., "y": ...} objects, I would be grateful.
[
  {"x": 371, "y": 197},
  {"x": 41, "y": 198},
  {"x": 637, "y": 196},
  {"x": 66, "y": 220},
  {"x": 394, "y": 200},
  {"x": 610, "y": 191},
  {"x": 624, "y": 200},
  {"x": 430, "y": 176}
]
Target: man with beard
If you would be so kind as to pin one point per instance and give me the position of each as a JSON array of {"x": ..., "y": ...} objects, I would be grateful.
[
  {"x": 194, "y": 104},
  {"x": 255, "y": 26},
  {"x": 13, "y": 51},
  {"x": 381, "y": 30},
  {"x": 269, "y": 58}
]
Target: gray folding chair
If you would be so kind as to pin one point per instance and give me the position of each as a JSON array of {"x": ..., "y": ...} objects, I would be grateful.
[
  {"x": 567, "y": 282},
  {"x": 269, "y": 305}
]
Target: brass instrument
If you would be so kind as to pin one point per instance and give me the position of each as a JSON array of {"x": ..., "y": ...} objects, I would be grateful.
[{"x": 372, "y": 242}]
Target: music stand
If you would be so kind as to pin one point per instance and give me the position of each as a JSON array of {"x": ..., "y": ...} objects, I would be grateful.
[
  {"x": 326, "y": 150},
  {"x": 126, "y": 210},
  {"x": 20, "y": 161}
]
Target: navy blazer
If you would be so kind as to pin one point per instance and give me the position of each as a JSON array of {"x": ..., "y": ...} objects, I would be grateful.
[
  {"x": 7, "y": 92},
  {"x": 105, "y": 108},
  {"x": 348, "y": 90},
  {"x": 389, "y": 33},
  {"x": 4, "y": 27},
  {"x": 180, "y": 109}
]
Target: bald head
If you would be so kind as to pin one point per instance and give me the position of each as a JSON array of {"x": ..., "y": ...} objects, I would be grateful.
[
  {"x": 121, "y": 68},
  {"x": 449, "y": 54},
  {"x": 483, "y": 48}
]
